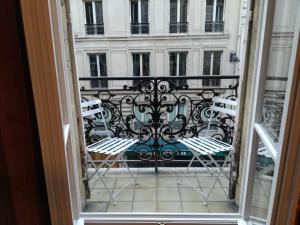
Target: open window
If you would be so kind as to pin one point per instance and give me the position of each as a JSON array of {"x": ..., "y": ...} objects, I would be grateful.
[{"x": 57, "y": 71}]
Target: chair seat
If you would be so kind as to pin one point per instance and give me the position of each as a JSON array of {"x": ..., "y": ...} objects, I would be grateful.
[
  {"x": 206, "y": 145},
  {"x": 111, "y": 146}
]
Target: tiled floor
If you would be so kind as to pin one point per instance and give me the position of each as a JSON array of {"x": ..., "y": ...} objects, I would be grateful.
[
  {"x": 261, "y": 195},
  {"x": 159, "y": 192}
]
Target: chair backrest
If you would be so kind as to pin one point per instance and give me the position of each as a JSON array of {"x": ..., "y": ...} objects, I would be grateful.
[
  {"x": 215, "y": 108},
  {"x": 94, "y": 107}
]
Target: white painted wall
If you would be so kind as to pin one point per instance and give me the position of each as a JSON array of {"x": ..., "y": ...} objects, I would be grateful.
[{"x": 118, "y": 42}]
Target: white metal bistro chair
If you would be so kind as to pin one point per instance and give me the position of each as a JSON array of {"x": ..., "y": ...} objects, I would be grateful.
[
  {"x": 208, "y": 146},
  {"x": 113, "y": 147}
]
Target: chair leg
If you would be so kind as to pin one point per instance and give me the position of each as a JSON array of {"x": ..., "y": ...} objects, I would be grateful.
[
  {"x": 125, "y": 163},
  {"x": 101, "y": 177},
  {"x": 180, "y": 180},
  {"x": 221, "y": 167},
  {"x": 221, "y": 171}
]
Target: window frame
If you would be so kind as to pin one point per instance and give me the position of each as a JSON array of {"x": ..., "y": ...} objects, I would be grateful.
[
  {"x": 212, "y": 63},
  {"x": 94, "y": 16},
  {"x": 179, "y": 22},
  {"x": 139, "y": 23},
  {"x": 46, "y": 66},
  {"x": 99, "y": 71},
  {"x": 214, "y": 17}
]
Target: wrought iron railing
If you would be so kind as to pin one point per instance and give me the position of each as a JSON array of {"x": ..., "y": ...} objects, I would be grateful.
[
  {"x": 214, "y": 26},
  {"x": 139, "y": 28},
  {"x": 158, "y": 111},
  {"x": 94, "y": 28},
  {"x": 179, "y": 27}
]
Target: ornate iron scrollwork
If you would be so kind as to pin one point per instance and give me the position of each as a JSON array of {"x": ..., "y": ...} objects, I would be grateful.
[{"x": 158, "y": 112}]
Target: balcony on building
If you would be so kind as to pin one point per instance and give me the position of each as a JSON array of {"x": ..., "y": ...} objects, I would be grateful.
[
  {"x": 179, "y": 27},
  {"x": 139, "y": 28},
  {"x": 129, "y": 111},
  {"x": 214, "y": 26},
  {"x": 94, "y": 29}
]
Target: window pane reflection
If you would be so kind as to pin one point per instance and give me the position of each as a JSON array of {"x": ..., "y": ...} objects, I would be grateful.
[
  {"x": 262, "y": 182},
  {"x": 278, "y": 66}
]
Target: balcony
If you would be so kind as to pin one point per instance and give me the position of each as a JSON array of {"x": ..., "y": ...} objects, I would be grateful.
[
  {"x": 214, "y": 26},
  {"x": 179, "y": 27},
  {"x": 139, "y": 28},
  {"x": 158, "y": 111},
  {"x": 91, "y": 29}
]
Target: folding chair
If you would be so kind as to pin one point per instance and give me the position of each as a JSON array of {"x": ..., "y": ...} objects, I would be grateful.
[
  {"x": 113, "y": 147},
  {"x": 208, "y": 146}
]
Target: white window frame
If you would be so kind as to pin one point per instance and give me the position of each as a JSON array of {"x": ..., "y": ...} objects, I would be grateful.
[
  {"x": 47, "y": 65},
  {"x": 215, "y": 9},
  {"x": 141, "y": 62},
  {"x": 139, "y": 10},
  {"x": 256, "y": 130},
  {"x": 212, "y": 64},
  {"x": 178, "y": 61},
  {"x": 94, "y": 15}
]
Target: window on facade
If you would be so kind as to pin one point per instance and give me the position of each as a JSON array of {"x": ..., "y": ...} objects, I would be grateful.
[
  {"x": 178, "y": 16},
  {"x": 139, "y": 17},
  {"x": 212, "y": 66},
  {"x": 94, "y": 17},
  {"x": 98, "y": 69},
  {"x": 178, "y": 66},
  {"x": 214, "y": 21},
  {"x": 140, "y": 62}
]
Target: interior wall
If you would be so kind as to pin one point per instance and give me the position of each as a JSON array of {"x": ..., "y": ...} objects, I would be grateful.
[{"x": 22, "y": 186}]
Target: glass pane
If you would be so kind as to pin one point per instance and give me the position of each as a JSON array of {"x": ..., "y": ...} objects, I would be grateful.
[
  {"x": 89, "y": 13},
  {"x": 134, "y": 12},
  {"x": 173, "y": 11},
  {"x": 146, "y": 64},
  {"x": 262, "y": 182},
  {"x": 173, "y": 64},
  {"x": 103, "y": 70},
  {"x": 144, "y": 13},
  {"x": 182, "y": 67},
  {"x": 99, "y": 13},
  {"x": 216, "y": 67},
  {"x": 206, "y": 66},
  {"x": 183, "y": 10},
  {"x": 93, "y": 70},
  {"x": 219, "y": 10},
  {"x": 278, "y": 66}
]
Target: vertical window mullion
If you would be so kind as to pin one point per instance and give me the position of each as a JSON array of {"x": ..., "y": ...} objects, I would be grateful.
[
  {"x": 98, "y": 68},
  {"x": 139, "y": 11},
  {"x": 211, "y": 66},
  {"x": 141, "y": 65},
  {"x": 178, "y": 17},
  {"x": 178, "y": 11},
  {"x": 94, "y": 12},
  {"x": 214, "y": 10},
  {"x": 177, "y": 64}
]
